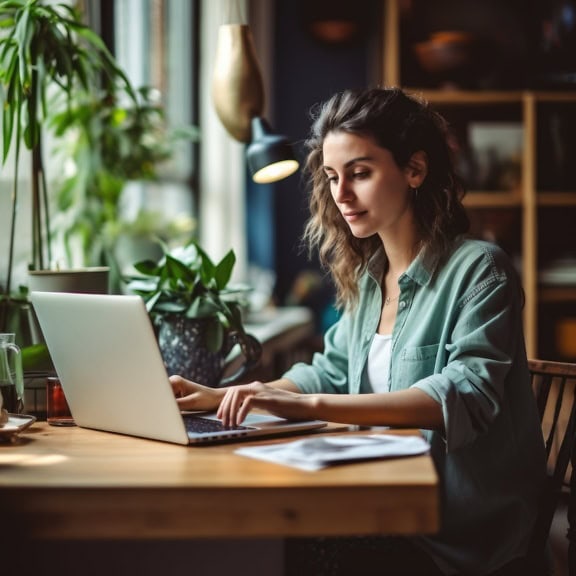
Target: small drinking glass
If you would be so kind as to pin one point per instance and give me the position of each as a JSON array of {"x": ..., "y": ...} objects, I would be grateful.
[
  {"x": 11, "y": 374},
  {"x": 57, "y": 409}
]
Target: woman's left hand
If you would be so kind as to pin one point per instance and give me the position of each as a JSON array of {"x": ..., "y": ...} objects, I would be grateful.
[
  {"x": 193, "y": 396},
  {"x": 239, "y": 400}
]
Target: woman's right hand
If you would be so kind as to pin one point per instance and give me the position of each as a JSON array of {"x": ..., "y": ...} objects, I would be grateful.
[
  {"x": 278, "y": 398},
  {"x": 193, "y": 396}
]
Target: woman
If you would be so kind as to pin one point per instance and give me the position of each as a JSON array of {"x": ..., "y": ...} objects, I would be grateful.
[{"x": 430, "y": 337}]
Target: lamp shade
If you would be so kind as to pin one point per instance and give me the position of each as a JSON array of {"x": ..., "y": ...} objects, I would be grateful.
[{"x": 270, "y": 156}]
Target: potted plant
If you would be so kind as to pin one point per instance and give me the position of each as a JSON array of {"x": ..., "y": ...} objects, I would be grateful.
[
  {"x": 45, "y": 49},
  {"x": 107, "y": 142},
  {"x": 196, "y": 313}
]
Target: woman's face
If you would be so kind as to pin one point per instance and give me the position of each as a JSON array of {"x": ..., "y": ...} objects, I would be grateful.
[{"x": 371, "y": 191}]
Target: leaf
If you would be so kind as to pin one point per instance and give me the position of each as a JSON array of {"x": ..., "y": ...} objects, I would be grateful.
[
  {"x": 235, "y": 314},
  {"x": 214, "y": 336},
  {"x": 142, "y": 286},
  {"x": 151, "y": 302},
  {"x": 223, "y": 271},
  {"x": 28, "y": 136},
  {"x": 7, "y": 22},
  {"x": 170, "y": 307},
  {"x": 35, "y": 357},
  {"x": 7, "y": 126},
  {"x": 23, "y": 37},
  {"x": 178, "y": 270},
  {"x": 147, "y": 267},
  {"x": 224, "y": 320},
  {"x": 202, "y": 308},
  {"x": 12, "y": 79},
  {"x": 207, "y": 269},
  {"x": 79, "y": 65}
]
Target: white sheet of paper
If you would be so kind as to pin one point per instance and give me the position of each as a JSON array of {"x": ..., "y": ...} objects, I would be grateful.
[{"x": 315, "y": 453}]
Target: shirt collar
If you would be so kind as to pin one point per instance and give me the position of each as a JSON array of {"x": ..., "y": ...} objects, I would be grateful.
[{"x": 421, "y": 270}]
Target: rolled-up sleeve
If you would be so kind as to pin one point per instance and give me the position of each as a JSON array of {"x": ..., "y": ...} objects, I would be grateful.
[
  {"x": 479, "y": 353},
  {"x": 328, "y": 371}
]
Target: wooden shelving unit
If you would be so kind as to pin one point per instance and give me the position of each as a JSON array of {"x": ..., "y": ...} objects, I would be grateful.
[{"x": 527, "y": 200}]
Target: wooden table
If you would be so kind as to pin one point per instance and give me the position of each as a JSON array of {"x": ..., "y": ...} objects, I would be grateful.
[{"x": 72, "y": 483}]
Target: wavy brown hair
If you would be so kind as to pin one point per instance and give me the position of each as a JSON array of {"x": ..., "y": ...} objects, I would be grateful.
[{"x": 402, "y": 125}]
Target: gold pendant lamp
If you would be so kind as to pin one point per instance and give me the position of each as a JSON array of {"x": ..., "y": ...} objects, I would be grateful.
[
  {"x": 238, "y": 98},
  {"x": 237, "y": 87}
]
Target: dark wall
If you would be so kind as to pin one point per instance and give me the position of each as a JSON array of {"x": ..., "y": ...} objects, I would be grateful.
[{"x": 306, "y": 72}]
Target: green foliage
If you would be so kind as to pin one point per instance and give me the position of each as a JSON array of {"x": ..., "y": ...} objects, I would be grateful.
[
  {"x": 46, "y": 45},
  {"x": 20, "y": 320},
  {"x": 187, "y": 282},
  {"x": 110, "y": 140},
  {"x": 45, "y": 49}
]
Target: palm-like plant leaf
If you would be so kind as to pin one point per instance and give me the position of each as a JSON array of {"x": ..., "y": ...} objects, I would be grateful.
[{"x": 44, "y": 46}]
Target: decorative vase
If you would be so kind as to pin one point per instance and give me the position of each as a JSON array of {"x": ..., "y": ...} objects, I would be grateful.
[{"x": 182, "y": 345}]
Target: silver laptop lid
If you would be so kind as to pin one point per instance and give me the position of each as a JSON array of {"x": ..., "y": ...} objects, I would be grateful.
[{"x": 106, "y": 356}]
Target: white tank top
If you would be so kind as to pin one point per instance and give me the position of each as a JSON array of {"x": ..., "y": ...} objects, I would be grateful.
[{"x": 378, "y": 367}]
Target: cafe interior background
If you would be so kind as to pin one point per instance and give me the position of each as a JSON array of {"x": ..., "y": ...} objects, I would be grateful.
[{"x": 502, "y": 71}]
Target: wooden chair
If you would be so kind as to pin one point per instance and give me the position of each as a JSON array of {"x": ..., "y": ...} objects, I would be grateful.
[{"x": 554, "y": 385}]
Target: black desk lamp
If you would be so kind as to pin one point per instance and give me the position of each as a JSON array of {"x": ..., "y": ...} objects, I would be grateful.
[{"x": 270, "y": 156}]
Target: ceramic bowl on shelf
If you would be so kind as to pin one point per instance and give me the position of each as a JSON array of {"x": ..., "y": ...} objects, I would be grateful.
[{"x": 446, "y": 55}]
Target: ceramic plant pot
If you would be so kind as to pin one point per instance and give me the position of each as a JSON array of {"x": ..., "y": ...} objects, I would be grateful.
[
  {"x": 84, "y": 280},
  {"x": 184, "y": 351}
]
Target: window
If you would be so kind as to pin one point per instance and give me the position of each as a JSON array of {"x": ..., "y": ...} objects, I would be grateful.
[{"x": 155, "y": 42}]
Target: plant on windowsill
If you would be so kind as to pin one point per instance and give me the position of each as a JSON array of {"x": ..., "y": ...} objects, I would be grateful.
[
  {"x": 107, "y": 143},
  {"x": 196, "y": 313},
  {"x": 45, "y": 49}
]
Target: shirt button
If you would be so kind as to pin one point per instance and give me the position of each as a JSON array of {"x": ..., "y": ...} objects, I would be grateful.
[{"x": 402, "y": 304}]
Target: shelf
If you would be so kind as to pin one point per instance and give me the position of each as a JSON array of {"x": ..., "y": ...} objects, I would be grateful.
[
  {"x": 556, "y": 198},
  {"x": 464, "y": 97},
  {"x": 555, "y": 96},
  {"x": 534, "y": 212},
  {"x": 557, "y": 294},
  {"x": 494, "y": 199}
]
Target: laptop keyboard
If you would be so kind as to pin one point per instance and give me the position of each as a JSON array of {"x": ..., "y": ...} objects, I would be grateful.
[{"x": 200, "y": 425}]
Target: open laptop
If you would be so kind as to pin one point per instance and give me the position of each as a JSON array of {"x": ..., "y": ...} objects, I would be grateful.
[{"x": 107, "y": 358}]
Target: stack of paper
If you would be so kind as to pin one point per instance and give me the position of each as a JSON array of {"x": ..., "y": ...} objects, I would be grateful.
[{"x": 318, "y": 452}]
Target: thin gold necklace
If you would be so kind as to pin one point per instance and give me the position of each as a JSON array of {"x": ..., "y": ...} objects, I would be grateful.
[{"x": 388, "y": 300}]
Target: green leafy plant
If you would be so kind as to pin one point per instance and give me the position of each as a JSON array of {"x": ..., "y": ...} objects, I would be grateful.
[
  {"x": 108, "y": 141},
  {"x": 187, "y": 282},
  {"x": 45, "y": 49}
]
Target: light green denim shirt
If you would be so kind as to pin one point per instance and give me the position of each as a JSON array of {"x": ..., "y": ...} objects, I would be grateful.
[{"x": 458, "y": 337}]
